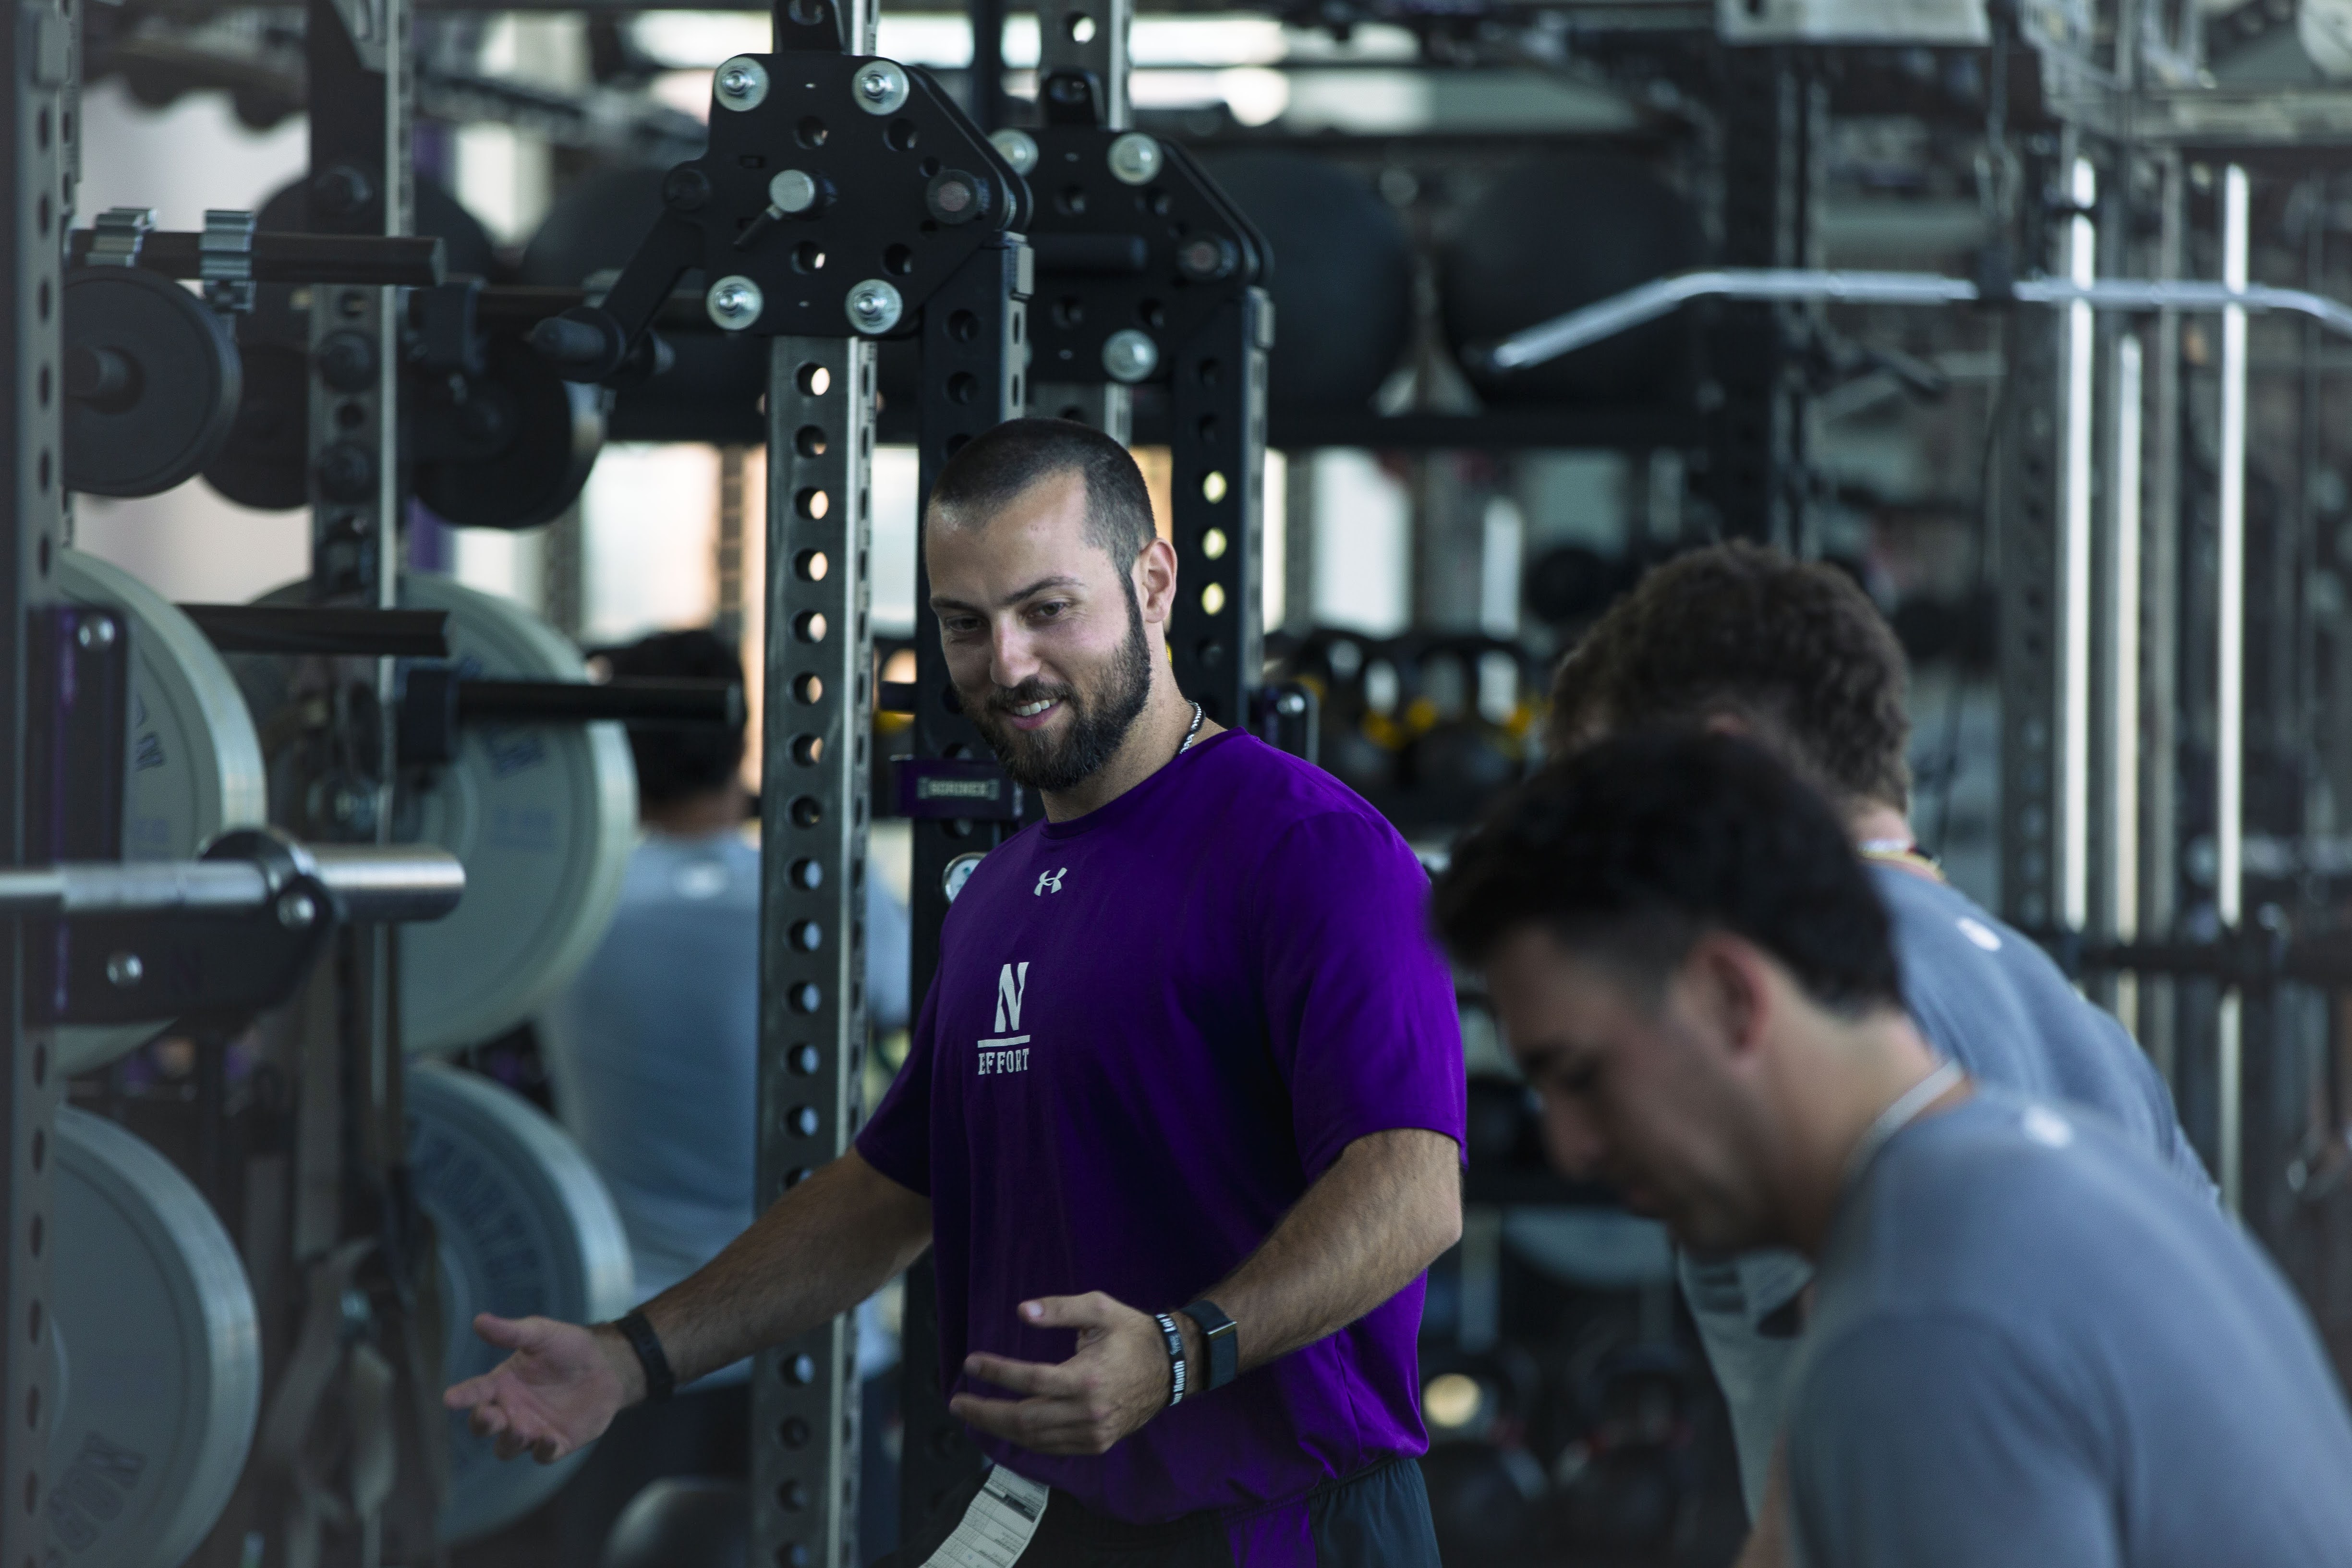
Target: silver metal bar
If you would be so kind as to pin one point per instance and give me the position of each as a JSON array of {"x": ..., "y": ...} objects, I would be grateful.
[
  {"x": 374, "y": 883},
  {"x": 390, "y": 884},
  {"x": 2230, "y": 677},
  {"x": 2073, "y": 748},
  {"x": 1622, "y": 312}
]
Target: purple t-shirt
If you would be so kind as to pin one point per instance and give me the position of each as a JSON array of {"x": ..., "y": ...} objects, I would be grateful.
[{"x": 1153, "y": 1026}]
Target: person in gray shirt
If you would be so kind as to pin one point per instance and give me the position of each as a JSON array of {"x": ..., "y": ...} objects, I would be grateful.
[
  {"x": 1742, "y": 638},
  {"x": 2028, "y": 1343}
]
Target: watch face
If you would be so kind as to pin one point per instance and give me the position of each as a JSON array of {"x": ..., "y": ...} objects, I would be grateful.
[{"x": 959, "y": 872}]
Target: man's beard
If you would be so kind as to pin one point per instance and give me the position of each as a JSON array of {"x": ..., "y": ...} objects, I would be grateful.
[{"x": 1099, "y": 719}]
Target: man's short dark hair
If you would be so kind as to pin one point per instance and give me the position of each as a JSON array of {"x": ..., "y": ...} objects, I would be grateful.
[
  {"x": 1001, "y": 463},
  {"x": 1796, "y": 648},
  {"x": 1634, "y": 847},
  {"x": 677, "y": 762}
]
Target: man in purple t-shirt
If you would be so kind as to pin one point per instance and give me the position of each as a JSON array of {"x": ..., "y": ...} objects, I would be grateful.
[{"x": 1182, "y": 1116}]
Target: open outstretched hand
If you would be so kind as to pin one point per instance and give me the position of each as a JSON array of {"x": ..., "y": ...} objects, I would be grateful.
[
  {"x": 555, "y": 1393},
  {"x": 1115, "y": 1382}
]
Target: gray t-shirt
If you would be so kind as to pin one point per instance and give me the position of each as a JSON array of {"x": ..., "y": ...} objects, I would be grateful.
[
  {"x": 654, "y": 1051},
  {"x": 1986, "y": 997},
  {"x": 2027, "y": 1348}
]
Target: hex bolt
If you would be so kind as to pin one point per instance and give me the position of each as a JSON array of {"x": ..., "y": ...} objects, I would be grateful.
[
  {"x": 1017, "y": 147},
  {"x": 124, "y": 970},
  {"x": 95, "y": 634},
  {"x": 1129, "y": 355},
  {"x": 740, "y": 83},
  {"x": 734, "y": 302},
  {"x": 297, "y": 910},
  {"x": 347, "y": 471},
  {"x": 347, "y": 361},
  {"x": 1206, "y": 257},
  {"x": 1135, "y": 159},
  {"x": 794, "y": 192},
  {"x": 880, "y": 87},
  {"x": 875, "y": 307},
  {"x": 341, "y": 191},
  {"x": 954, "y": 197}
]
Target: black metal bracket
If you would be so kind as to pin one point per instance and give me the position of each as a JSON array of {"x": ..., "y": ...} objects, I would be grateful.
[
  {"x": 78, "y": 678},
  {"x": 1148, "y": 274},
  {"x": 839, "y": 193},
  {"x": 207, "y": 969}
]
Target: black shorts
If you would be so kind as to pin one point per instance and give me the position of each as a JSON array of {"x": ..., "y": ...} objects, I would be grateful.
[{"x": 1377, "y": 1518}]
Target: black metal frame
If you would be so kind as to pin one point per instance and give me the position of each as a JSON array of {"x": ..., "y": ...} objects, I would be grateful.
[
  {"x": 973, "y": 333},
  {"x": 1773, "y": 138},
  {"x": 2026, "y": 544}
]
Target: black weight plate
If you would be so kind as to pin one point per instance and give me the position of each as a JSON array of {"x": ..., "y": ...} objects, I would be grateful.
[
  {"x": 173, "y": 413},
  {"x": 1342, "y": 282},
  {"x": 523, "y": 463},
  {"x": 1554, "y": 234},
  {"x": 266, "y": 464}
]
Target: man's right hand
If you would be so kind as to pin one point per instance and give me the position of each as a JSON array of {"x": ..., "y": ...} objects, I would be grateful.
[{"x": 555, "y": 1393}]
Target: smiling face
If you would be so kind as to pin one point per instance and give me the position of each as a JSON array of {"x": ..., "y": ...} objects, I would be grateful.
[
  {"x": 1653, "y": 1095},
  {"x": 1050, "y": 641}
]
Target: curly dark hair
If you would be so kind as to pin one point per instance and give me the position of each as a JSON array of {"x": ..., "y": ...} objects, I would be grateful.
[
  {"x": 1634, "y": 846},
  {"x": 1795, "y": 649}
]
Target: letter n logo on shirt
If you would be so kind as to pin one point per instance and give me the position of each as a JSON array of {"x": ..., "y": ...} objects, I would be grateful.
[{"x": 1012, "y": 984}]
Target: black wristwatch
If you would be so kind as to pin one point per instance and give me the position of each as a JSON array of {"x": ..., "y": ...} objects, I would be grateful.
[
  {"x": 660, "y": 1381},
  {"x": 1220, "y": 1337}
]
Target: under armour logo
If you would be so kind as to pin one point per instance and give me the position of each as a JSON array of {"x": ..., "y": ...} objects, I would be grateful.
[{"x": 1051, "y": 882}]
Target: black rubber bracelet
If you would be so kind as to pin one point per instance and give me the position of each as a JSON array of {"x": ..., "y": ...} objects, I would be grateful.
[
  {"x": 660, "y": 1381},
  {"x": 1175, "y": 1338}
]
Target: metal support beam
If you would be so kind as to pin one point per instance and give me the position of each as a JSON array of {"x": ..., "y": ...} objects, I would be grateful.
[
  {"x": 2027, "y": 544},
  {"x": 819, "y": 720},
  {"x": 817, "y": 723},
  {"x": 1217, "y": 457},
  {"x": 1086, "y": 40},
  {"x": 37, "y": 61},
  {"x": 1772, "y": 153}
]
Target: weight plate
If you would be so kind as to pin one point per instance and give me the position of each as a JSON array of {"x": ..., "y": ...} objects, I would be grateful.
[
  {"x": 525, "y": 1226},
  {"x": 266, "y": 463},
  {"x": 515, "y": 451},
  {"x": 195, "y": 762},
  {"x": 152, "y": 382},
  {"x": 160, "y": 1351},
  {"x": 543, "y": 816}
]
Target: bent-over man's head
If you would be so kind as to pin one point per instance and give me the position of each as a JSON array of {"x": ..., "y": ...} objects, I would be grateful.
[
  {"x": 1686, "y": 959},
  {"x": 1739, "y": 636},
  {"x": 1053, "y": 589}
]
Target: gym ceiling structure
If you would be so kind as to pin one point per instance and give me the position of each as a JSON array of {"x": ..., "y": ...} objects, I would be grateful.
[{"x": 1433, "y": 324}]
